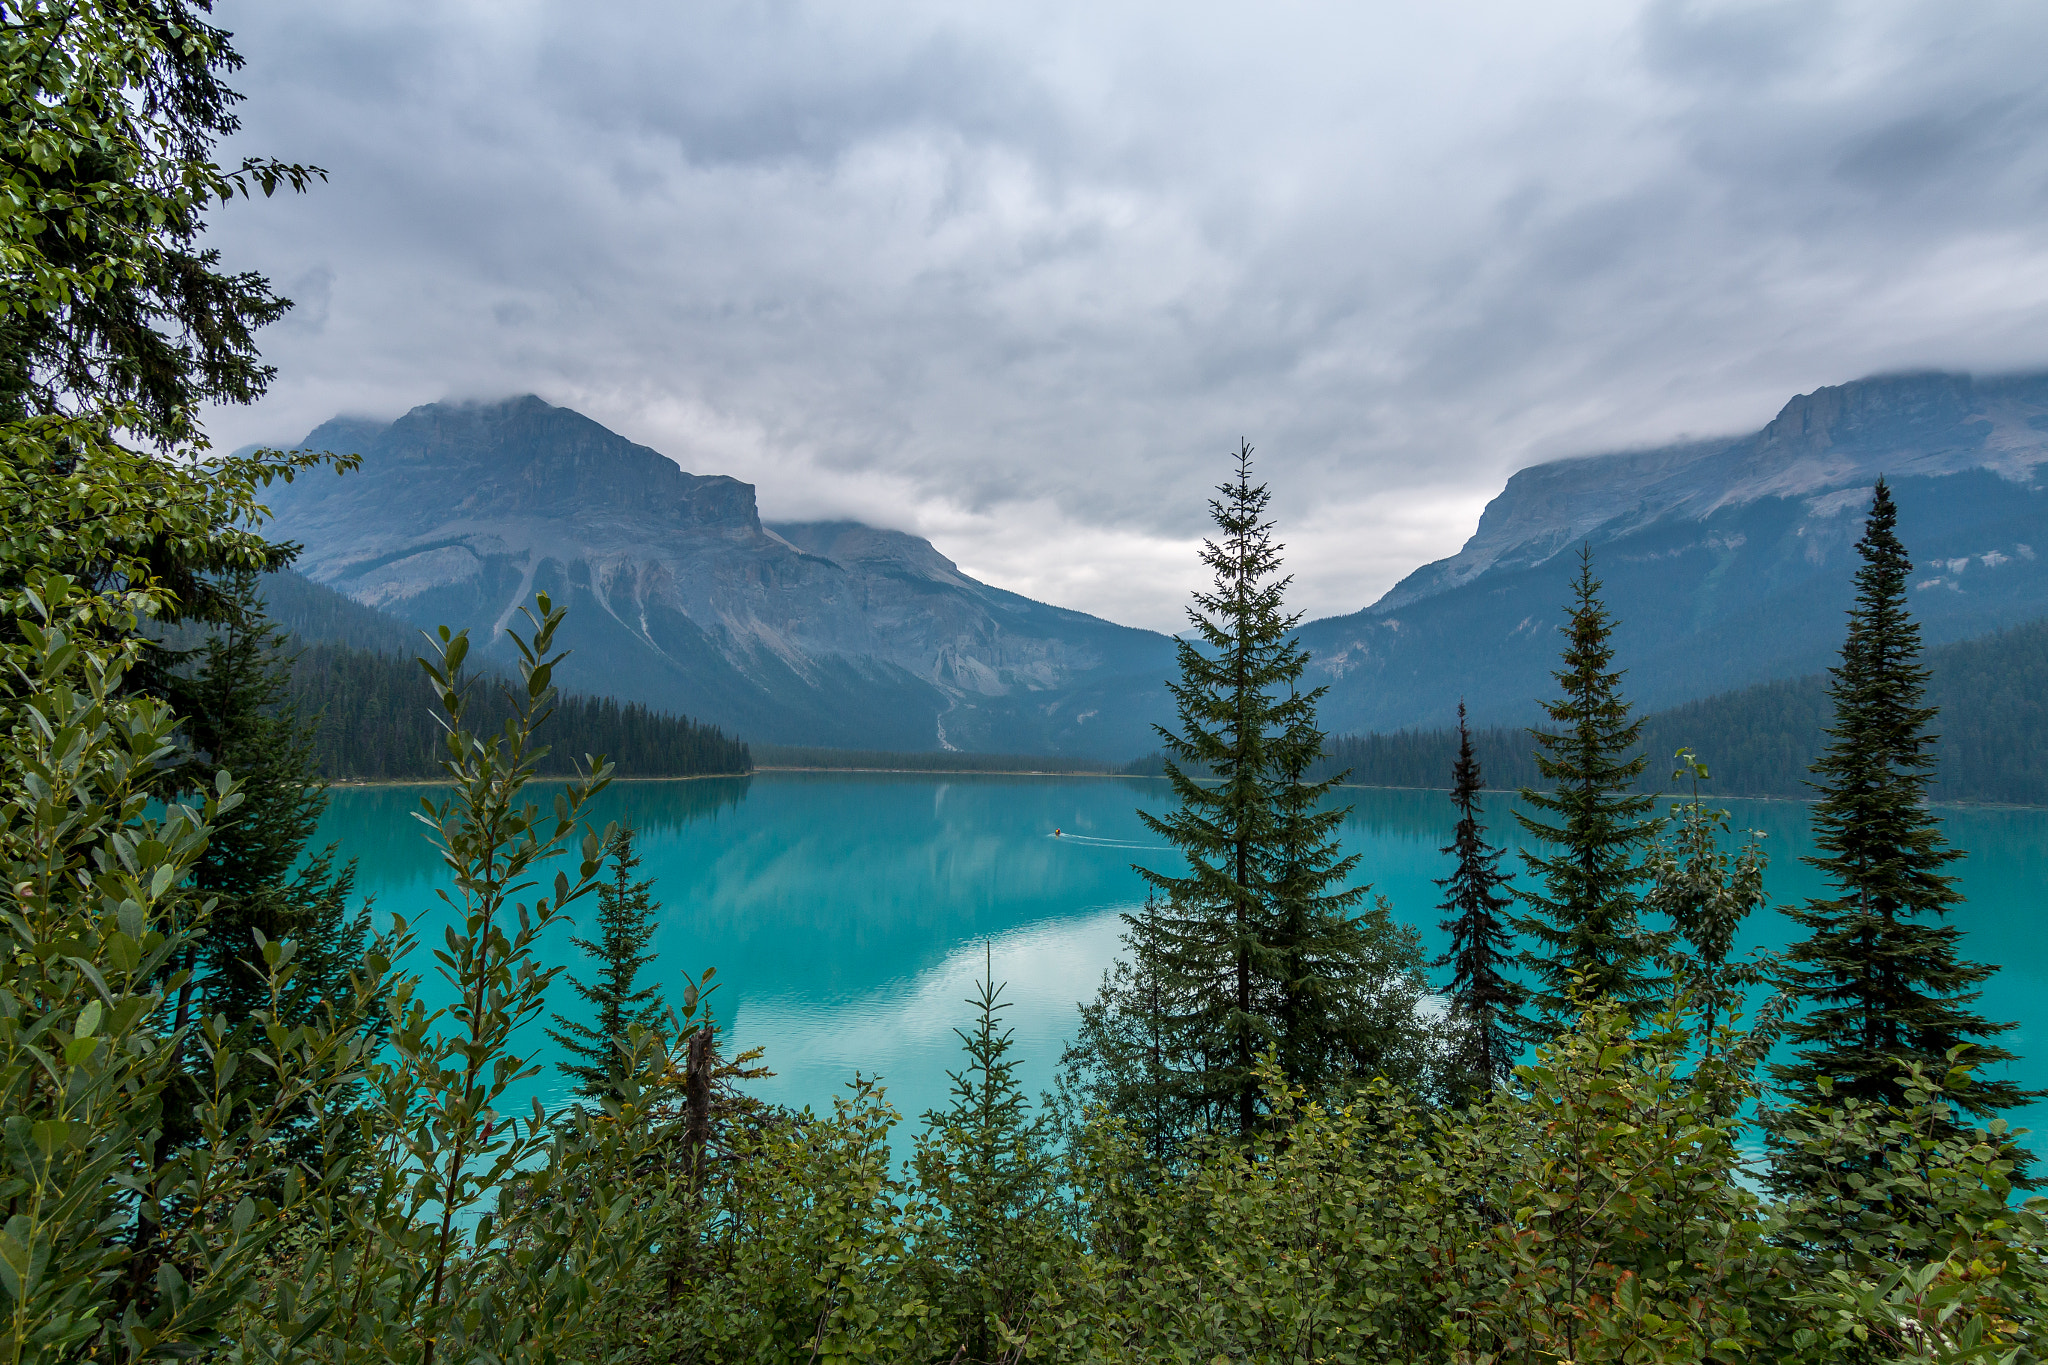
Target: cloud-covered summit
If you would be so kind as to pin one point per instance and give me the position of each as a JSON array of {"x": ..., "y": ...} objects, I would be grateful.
[{"x": 1016, "y": 278}]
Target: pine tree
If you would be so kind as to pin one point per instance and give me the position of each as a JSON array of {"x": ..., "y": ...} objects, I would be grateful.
[
  {"x": 626, "y": 920},
  {"x": 1485, "y": 1000},
  {"x": 986, "y": 1172},
  {"x": 1255, "y": 946},
  {"x": 1584, "y": 918},
  {"x": 1884, "y": 977},
  {"x": 257, "y": 869}
]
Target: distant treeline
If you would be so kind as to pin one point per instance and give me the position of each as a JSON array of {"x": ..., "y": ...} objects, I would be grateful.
[
  {"x": 1992, "y": 693},
  {"x": 1993, "y": 721},
  {"x": 376, "y": 720},
  {"x": 934, "y": 761},
  {"x": 375, "y": 716}
]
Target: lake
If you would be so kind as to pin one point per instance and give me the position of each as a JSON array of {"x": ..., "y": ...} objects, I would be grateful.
[{"x": 847, "y": 914}]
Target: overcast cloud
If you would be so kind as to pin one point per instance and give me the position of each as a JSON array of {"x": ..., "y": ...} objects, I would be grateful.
[{"x": 1017, "y": 277}]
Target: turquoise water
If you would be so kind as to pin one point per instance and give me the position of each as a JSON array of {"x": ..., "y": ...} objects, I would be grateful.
[{"x": 846, "y": 914}]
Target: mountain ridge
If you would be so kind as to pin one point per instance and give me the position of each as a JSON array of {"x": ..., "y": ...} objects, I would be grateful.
[
  {"x": 1726, "y": 561},
  {"x": 681, "y": 598}
]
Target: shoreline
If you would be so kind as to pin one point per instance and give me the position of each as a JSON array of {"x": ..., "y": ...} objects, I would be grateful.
[
  {"x": 359, "y": 782},
  {"x": 944, "y": 772},
  {"x": 365, "y": 783}
]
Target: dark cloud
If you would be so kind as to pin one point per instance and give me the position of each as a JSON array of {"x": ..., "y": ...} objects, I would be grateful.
[{"x": 1016, "y": 277}]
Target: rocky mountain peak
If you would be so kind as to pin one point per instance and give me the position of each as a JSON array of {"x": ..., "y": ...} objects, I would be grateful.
[
  {"x": 1898, "y": 412},
  {"x": 1727, "y": 561},
  {"x": 1820, "y": 443},
  {"x": 853, "y": 542},
  {"x": 524, "y": 458},
  {"x": 807, "y": 632}
]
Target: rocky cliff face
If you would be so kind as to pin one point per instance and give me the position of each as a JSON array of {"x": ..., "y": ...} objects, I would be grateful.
[
  {"x": 1727, "y": 561},
  {"x": 828, "y": 633}
]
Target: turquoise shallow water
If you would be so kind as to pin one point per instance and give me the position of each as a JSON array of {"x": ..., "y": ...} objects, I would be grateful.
[{"x": 846, "y": 913}]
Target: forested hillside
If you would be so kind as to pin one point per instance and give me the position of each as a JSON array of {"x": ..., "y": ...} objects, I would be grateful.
[
  {"x": 1993, "y": 723},
  {"x": 376, "y": 719},
  {"x": 317, "y": 614},
  {"x": 354, "y": 675},
  {"x": 1758, "y": 741}
]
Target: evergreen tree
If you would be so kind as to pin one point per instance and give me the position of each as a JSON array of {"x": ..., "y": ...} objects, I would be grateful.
[
  {"x": 1255, "y": 946},
  {"x": 1346, "y": 978},
  {"x": 1885, "y": 979},
  {"x": 1583, "y": 915},
  {"x": 1122, "y": 1058},
  {"x": 239, "y": 719},
  {"x": 257, "y": 869},
  {"x": 626, "y": 919},
  {"x": 1706, "y": 893},
  {"x": 987, "y": 1177},
  {"x": 1485, "y": 1000}
]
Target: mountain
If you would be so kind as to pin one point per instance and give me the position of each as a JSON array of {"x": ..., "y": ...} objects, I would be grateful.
[
  {"x": 1991, "y": 693},
  {"x": 679, "y": 598},
  {"x": 1728, "y": 562}
]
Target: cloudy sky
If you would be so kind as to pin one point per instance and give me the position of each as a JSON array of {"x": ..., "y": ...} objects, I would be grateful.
[{"x": 1018, "y": 277}]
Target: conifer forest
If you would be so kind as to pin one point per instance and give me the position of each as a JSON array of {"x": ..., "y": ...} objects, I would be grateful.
[{"x": 237, "y": 1130}]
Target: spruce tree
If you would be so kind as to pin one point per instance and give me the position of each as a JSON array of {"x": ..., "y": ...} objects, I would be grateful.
[
  {"x": 1583, "y": 918},
  {"x": 232, "y": 693},
  {"x": 1485, "y": 1000},
  {"x": 626, "y": 920},
  {"x": 1255, "y": 946},
  {"x": 1884, "y": 977},
  {"x": 988, "y": 1180}
]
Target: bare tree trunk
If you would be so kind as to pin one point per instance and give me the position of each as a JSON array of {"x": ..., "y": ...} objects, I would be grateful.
[{"x": 697, "y": 1102}]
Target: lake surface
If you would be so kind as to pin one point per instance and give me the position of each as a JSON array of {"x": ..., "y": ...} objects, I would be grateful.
[{"x": 847, "y": 915}]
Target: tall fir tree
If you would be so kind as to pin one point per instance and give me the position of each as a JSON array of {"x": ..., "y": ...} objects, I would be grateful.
[
  {"x": 1485, "y": 999},
  {"x": 626, "y": 919},
  {"x": 1883, "y": 976},
  {"x": 232, "y": 692},
  {"x": 1255, "y": 946},
  {"x": 1583, "y": 919}
]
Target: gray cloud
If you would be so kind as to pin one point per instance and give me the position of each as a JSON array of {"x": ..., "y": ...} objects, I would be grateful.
[{"x": 1018, "y": 277}]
